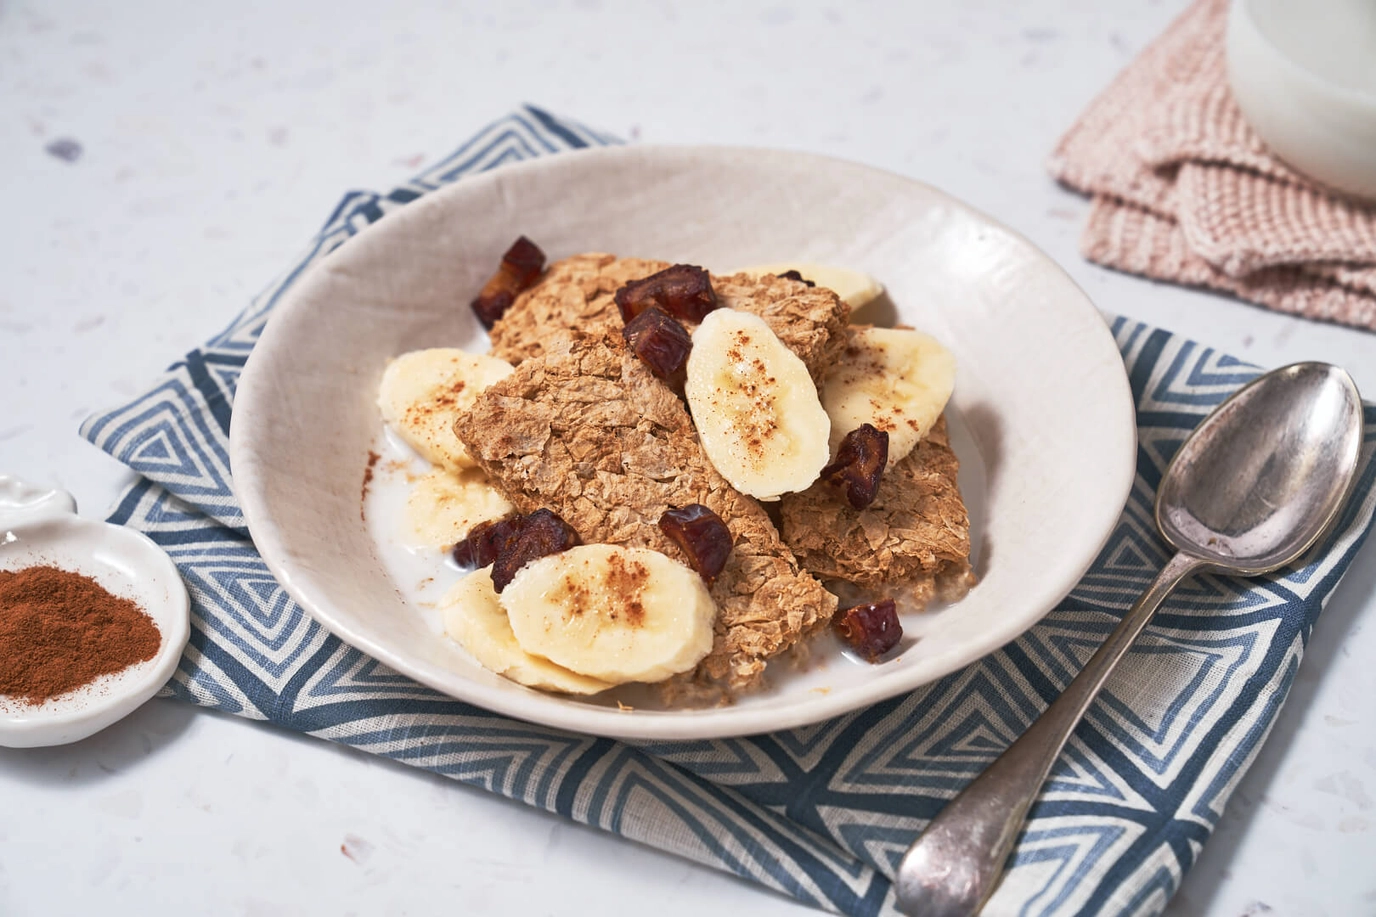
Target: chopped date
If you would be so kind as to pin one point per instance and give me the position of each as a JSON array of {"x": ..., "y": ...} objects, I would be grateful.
[
  {"x": 871, "y": 630},
  {"x": 485, "y": 540},
  {"x": 511, "y": 543},
  {"x": 525, "y": 257},
  {"x": 490, "y": 306},
  {"x": 661, "y": 342},
  {"x": 702, "y": 535},
  {"x": 541, "y": 533},
  {"x": 684, "y": 291},
  {"x": 520, "y": 267},
  {"x": 859, "y": 464},
  {"x": 794, "y": 275}
]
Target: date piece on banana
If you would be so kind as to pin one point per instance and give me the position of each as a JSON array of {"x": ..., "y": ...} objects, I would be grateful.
[
  {"x": 424, "y": 390},
  {"x": 897, "y": 380},
  {"x": 444, "y": 506},
  {"x": 475, "y": 620},
  {"x": 755, "y": 407},
  {"x": 612, "y": 613}
]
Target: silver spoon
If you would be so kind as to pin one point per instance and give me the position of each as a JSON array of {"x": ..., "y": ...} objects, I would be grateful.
[{"x": 1251, "y": 490}]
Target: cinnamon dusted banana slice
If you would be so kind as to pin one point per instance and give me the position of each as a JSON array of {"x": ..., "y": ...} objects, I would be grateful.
[
  {"x": 475, "y": 620},
  {"x": 854, "y": 287},
  {"x": 612, "y": 613},
  {"x": 897, "y": 380},
  {"x": 423, "y": 391},
  {"x": 755, "y": 406},
  {"x": 444, "y": 505}
]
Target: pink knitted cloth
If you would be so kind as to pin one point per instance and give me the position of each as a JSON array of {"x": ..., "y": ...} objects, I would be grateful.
[{"x": 1185, "y": 191}]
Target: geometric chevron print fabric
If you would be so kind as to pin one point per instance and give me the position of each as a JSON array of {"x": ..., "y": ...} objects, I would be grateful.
[{"x": 821, "y": 813}]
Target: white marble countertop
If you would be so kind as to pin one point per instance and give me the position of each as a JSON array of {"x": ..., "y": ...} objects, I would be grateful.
[{"x": 212, "y": 144}]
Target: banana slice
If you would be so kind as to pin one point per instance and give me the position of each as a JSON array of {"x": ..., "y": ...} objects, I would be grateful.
[
  {"x": 444, "y": 505},
  {"x": 475, "y": 620},
  {"x": 612, "y": 613},
  {"x": 897, "y": 380},
  {"x": 422, "y": 392},
  {"x": 755, "y": 406},
  {"x": 856, "y": 288}
]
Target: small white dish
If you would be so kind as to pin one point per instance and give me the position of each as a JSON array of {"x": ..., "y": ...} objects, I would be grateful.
[
  {"x": 1042, "y": 417},
  {"x": 40, "y": 527},
  {"x": 1304, "y": 75}
]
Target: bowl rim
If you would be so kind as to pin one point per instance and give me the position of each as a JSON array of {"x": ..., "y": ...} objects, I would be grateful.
[{"x": 688, "y": 723}]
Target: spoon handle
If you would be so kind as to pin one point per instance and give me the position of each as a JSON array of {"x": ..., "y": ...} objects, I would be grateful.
[{"x": 954, "y": 865}]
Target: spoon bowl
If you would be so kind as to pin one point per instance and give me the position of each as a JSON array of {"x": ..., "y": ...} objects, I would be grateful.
[
  {"x": 1262, "y": 477},
  {"x": 1252, "y": 488}
]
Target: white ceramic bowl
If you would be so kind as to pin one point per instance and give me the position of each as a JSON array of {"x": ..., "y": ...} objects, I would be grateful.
[
  {"x": 1304, "y": 74},
  {"x": 1042, "y": 414},
  {"x": 40, "y": 526}
]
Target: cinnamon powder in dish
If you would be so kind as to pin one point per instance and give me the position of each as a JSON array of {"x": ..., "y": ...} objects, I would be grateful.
[{"x": 60, "y": 630}]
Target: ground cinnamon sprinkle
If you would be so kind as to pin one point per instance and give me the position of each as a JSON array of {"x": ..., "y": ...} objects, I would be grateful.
[
  {"x": 373, "y": 459},
  {"x": 60, "y": 630}
]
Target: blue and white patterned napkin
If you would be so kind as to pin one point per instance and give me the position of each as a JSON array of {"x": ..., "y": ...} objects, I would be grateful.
[{"x": 822, "y": 813}]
